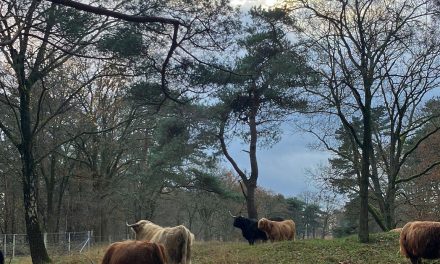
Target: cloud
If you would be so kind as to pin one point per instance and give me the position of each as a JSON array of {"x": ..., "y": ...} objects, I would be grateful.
[
  {"x": 284, "y": 171},
  {"x": 247, "y": 4},
  {"x": 282, "y": 168}
]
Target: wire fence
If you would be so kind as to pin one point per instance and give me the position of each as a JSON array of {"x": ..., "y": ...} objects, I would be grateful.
[{"x": 17, "y": 245}]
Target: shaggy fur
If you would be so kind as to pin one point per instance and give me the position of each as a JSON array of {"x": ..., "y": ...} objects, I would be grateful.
[
  {"x": 278, "y": 231},
  {"x": 420, "y": 239},
  {"x": 177, "y": 240},
  {"x": 134, "y": 252}
]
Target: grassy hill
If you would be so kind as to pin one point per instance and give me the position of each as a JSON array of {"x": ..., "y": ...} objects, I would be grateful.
[{"x": 383, "y": 248}]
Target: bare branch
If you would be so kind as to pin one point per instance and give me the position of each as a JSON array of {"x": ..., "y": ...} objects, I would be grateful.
[
  {"x": 418, "y": 175},
  {"x": 118, "y": 15}
]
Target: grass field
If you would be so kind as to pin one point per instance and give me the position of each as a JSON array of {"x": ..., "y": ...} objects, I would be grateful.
[{"x": 383, "y": 248}]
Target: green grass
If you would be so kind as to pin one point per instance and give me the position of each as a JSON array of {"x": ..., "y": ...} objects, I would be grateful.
[{"x": 383, "y": 248}]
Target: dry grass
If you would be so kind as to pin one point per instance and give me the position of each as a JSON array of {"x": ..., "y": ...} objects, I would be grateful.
[
  {"x": 94, "y": 256},
  {"x": 383, "y": 248}
]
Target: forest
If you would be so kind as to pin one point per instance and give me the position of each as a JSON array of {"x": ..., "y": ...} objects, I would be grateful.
[{"x": 116, "y": 111}]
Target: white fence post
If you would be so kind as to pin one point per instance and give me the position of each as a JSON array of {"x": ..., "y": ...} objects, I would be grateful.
[
  {"x": 13, "y": 246},
  {"x": 68, "y": 242},
  {"x": 45, "y": 239},
  {"x": 4, "y": 245},
  {"x": 88, "y": 239}
]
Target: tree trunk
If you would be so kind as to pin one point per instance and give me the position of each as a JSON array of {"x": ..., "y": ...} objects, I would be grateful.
[
  {"x": 390, "y": 207},
  {"x": 363, "y": 194},
  {"x": 365, "y": 169},
  {"x": 102, "y": 217},
  {"x": 103, "y": 225},
  {"x": 250, "y": 200},
  {"x": 62, "y": 189},
  {"x": 325, "y": 225},
  {"x": 50, "y": 189},
  {"x": 251, "y": 185},
  {"x": 377, "y": 192},
  {"x": 30, "y": 182}
]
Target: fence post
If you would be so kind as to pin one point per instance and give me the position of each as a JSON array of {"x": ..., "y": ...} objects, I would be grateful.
[
  {"x": 68, "y": 242},
  {"x": 4, "y": 245},
  {"x": 13, "y": 246},
  {"x": 45, "y": 239},
  {"x": 110, "y": 239},
  {"x": 88, "y": 239}
]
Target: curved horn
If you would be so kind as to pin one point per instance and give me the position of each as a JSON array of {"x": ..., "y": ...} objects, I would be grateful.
[
  {"x": 135, "y": 224},
  {"x": 231, "y": 214}
]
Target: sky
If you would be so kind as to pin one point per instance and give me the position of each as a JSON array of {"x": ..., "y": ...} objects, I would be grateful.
[
  {"x": 248, "y": 3},
  {"x": 283, "y": 167}
]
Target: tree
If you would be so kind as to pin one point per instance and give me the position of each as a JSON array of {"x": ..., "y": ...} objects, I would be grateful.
[
  {"x": 257, "y": 93},
  {"x": 103, "y": 151},
  {"x": 368, "y": 58},
  {"x": 32, "y": 37},
  {"x": 418, "y": 198},
  {"x": 11, "y": 205},
  {"x": 296, "y": 207}
]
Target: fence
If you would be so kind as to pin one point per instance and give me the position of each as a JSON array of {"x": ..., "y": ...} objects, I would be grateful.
[{"x": 56, "y": 243}]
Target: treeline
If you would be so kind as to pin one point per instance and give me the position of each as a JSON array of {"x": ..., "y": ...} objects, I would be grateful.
[{"x": 205, "y": 212}]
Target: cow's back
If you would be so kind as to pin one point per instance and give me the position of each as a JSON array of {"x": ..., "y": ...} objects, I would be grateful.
[
  {"x": 176, "y": 240},
  {"x": 134, "y": 252},
  {"x": 291, "y": 229},
  {"x": 420, "y": 239}
]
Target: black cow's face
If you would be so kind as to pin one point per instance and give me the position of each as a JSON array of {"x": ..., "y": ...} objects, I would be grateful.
[{"x": 240, "y": 222}]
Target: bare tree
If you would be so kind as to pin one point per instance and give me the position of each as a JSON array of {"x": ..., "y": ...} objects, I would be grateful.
[
  {"x": 369, "y": 54},
  {"x": 31, "y": 50}
]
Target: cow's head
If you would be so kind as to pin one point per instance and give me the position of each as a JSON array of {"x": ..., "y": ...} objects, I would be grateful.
[
  {"x": 240, "y": 221},
  {"x": 138, "y": 226},
  {"x": 264, "y": 224}
]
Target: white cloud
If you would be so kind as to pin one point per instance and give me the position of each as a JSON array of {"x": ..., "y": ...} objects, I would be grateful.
[{"x": 247, "y": 4}]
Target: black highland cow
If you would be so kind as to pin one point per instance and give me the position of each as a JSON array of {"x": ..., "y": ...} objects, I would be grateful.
[{"x": 249, "y": 229}]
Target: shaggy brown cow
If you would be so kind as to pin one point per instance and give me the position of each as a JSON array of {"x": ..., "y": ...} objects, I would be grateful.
[
  {"x": 176, "y": 240},
  {"x": 420, "y": 239},
  {"x": 134, "y": 252},
  {"x": 278, "y": 231}
]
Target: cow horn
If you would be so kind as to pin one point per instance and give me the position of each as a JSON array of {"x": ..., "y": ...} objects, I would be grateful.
[
  {"x": 231, "y": 214},
  {"x": 135, "y": 224}
]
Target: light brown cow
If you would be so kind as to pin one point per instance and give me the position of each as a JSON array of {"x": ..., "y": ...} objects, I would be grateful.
[
  {"x": 278, "y": 231},
  {"x": 177, "y": 240},
  {"x": 134, "y": 252},
  {"x": 420, "y": 239}
]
